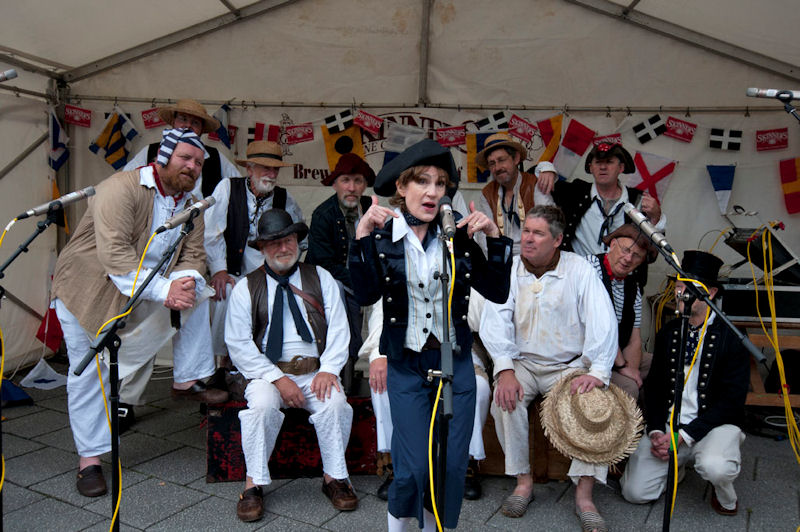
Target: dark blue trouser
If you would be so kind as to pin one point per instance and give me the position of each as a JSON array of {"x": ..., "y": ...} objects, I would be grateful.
[{"x": 411, "y": 398}]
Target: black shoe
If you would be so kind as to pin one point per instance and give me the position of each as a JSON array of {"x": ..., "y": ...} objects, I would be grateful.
[
  {"x": 383, "y": 490},
  {"x": 472, "y": 482},
  {"x": 91, "y": 482},
  {"x": 126, "y": 417}
]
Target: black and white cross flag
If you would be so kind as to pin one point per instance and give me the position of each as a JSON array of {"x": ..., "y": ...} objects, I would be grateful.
[
  {"x": 494, "y": 122},
  {"x": 339, "y": 122},
  {"x": 650, "y": 128},
  {"x": 725, "y": 139}
]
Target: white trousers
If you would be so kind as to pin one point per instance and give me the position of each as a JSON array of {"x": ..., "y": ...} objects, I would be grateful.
[
  {"x": 512, "y": 427},
  {"x": 383, "y": 419},
  {"x": 262, "y": 419},
  {"x": 148, "y": 329},
  {"x": 717, "y": 458}
]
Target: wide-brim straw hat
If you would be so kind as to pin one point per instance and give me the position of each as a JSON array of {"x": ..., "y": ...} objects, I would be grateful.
[
  {"x": 265, "y": 153},
  {"x": 498, "y": 140},
  {"x": 275, "y": 224},
  {"x": 189, "y": 107},
  {"x": 601, "y": 426}
]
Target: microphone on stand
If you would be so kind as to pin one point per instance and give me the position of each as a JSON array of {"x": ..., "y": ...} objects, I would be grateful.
[
  {"x": 644, "y": 225},
  {"x": 754, "y": 92},
  {"x": 59, "y": 203},
  {"x": 446, "y": 217},
  {"x": 8, "y": 74},
  {"x": 190, "y": 212}
]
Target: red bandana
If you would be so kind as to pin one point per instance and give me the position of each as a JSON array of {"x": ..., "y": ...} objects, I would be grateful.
[
  {"x": 607, "y": 266},
  {"x": 176, "y": 197}
]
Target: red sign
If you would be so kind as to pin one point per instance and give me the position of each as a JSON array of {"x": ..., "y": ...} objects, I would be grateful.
[
  {"x": 772, "y": 139},
  {"x": 151, "y": 119},
  {"x": 680, "y": 129},
  {"x": 615, "y": 138},
  {"x": 77, "y": 116},
  {"x": 521, "y": 128},
  {"x": 299, "y": 133},
  {"x": 451, "y": 136},
  {"x": 368, "y": 122}
]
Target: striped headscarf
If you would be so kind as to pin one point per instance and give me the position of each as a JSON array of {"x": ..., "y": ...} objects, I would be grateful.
[{"x": 171, "y": 137}]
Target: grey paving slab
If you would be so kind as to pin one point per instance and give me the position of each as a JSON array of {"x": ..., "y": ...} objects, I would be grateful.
[
  {"x": 40, "y": 395},
  {"x": 213, "y": 515},
  {"x": 179, "y": 466},
  {"x": 150, "y": 502},
  {"x": 62, "y": 487},
  {"x": 366, "y": 484},
  {"x": 545, "y": 507},
  {"x": 495, "y": 490},
  {"x": 771, "y": 505},
  {"x": 15, "y": 412},
  {"x": 40, "y": 465},
  {"x": 778, "y": 470},
  {"x": 17, "y": 497},
  {"x": 49, "y": 514},
  {"x": 16, "y": 446},
  {"x": 60, "y": 439},
  {"x": 167, "y": 422},
  {"x": 136, "y": 448},
  {"x": 231, "y": 490},
  {"x": 371, "y": 511},
  {"x": 105, "y": 525},
  {"x": 301, "y": 500},
  {"x": 35, "y": 424},
  {"x": 182, "y": 406},
  {"x": 195, "y": 436},
  {"x": 54, "y": 403},
  {"x": 285, "y": 524}
]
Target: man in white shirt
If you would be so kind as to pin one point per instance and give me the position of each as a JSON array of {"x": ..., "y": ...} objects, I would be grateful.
[
  {"x": 557, "y": 318},
  {"x": 291, "y": 347}
]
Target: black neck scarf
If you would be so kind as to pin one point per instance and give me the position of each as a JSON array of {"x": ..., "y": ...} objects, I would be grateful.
[{"x": 275, "y": 335}]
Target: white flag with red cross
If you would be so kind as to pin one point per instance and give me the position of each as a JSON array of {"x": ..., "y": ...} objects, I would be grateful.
[{"x": 653, "y": 174}]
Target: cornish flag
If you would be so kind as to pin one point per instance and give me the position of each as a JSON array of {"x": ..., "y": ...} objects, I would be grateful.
[
  {"x": 576, "y": 141},
  {"x": 338, "y": 122},
  {"x": 725, "y": 139},
  {"x": 722, "y": 181},
  {"x": 221, "y": 134},
  {"x": 494, "y": 122},
  {"x": 650, "y": 128},
  {"x": 58, "y": 144},
  {"x": 653, "y": 174}
]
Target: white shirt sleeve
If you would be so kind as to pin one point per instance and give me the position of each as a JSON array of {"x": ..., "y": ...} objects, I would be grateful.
[
  {"x": 216, "y": 221},
  {"x": 140, "y": 159},
  {"x": 297, "y": 216},
  {"x": 497, "y": 329},
  {"x": 337, "y": 342},
  {"x": 227, "y": 168},
  {"x": 158, "y": 288},
  {"x": 371, "y": 346},
  {"x": 600, "y": 323}
]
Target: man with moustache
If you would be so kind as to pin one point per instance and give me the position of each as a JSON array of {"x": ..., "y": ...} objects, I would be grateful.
[
  {"x": 232, "y": 221},
  {"x": 94, "y": 277},
  {"x": 287, "y": 332}
]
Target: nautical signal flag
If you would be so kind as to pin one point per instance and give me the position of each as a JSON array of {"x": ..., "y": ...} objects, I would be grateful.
[
  {"x": 59, "y": 153},
  {"x": 722, "y": 181},
  {"x": 576, "y": 141},
  {"x": 114, "y": 139},
  {"x": 271, "y": 133},
  {"x": 650, "y": 128},
  {"x": 221, "y": 134},
  {"x": 475, "y": 143},
  {"x": 653, "y": 174},
  {"x": 550, "y": 130},
  {"x": 790, "y": 183},
  {"x": 337, "y": 144}
]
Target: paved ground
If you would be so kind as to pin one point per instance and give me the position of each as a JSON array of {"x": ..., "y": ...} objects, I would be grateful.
[{"x": 164, "y": 485}]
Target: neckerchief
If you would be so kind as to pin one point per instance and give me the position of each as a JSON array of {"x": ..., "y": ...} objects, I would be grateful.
[
  {"x": 607, "y": 219},
  {"x": 538, "y": 272}
]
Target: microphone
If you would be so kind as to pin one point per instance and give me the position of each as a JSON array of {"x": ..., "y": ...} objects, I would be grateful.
[
  {"x": 446, "y": 216},
  {"x": 8, "y": 74},
  {"x": 753, "y": 92},
  {"x": 187, "y": 214},
  {"x": 59, "y": 203},
  {"x": 647, "y": 228}
]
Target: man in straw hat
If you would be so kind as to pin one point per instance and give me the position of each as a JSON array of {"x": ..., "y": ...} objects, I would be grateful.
[
  {"x": 557, "y": 318},
  {"x": 291, "y": 347},
  {"x": 511, "y": 192},
  {"x": 232, "y": 221},
  {"x": 94, "y": 277},
  {"x": 712, "y": 404},
  {"x": 187, "y": 113},
  {"x": 628, "y": 248},
  {"x": 595, "y": 209}
]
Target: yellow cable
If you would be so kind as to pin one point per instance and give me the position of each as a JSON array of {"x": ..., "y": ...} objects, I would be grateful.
[
  {"x": 721, "y": 233},
  {"x": 3, "y": 363}
]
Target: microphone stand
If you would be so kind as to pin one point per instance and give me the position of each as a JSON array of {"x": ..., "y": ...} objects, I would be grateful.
[
  {"x": 785, "y": 97},
  {"x": 110, "y": 340},
  {"x": 52, "y": 217}
]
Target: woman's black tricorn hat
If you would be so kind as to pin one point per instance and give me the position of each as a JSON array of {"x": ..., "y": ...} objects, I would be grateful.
[{"x": 426, "y": 152}]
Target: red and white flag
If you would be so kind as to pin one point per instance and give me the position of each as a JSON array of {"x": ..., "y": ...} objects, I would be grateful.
[
  {"x": 261, "y": 131},
  {"x": 653, "y": 174},
  {"x": 772, "y": 139},
  {"x": 299, "y": 133},
  {"x": 680, "y": 129},
  {"x": 521, "y": 128},
  {"x": 451, "y": 136},
  {"x": 574, "y": 144},
  {"x": 368, "y": 122},
  {"x": 151, "y": 119},
  {"x": 614, "y": 138},
  {"x": 77, "y": 116}
]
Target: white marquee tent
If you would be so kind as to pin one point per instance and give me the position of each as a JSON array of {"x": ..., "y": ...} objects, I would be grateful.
[{"x": 426, "y": 63}]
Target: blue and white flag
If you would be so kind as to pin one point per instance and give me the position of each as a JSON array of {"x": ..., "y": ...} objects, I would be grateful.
[
  {"x": 221, "y": 114},
  {"x": 59, "y": 153},
  {"x": 722, "y": 181}
]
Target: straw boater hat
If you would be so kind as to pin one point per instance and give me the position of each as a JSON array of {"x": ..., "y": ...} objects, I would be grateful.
[
  {"x": 498, "y": 140},
  {"x": 601, "y": 426},
  {"x": 189, "y": 107},
  {"x": 606, "y": 150},
  {"x": 635, "y": 234},
  {"x": 426, "y": 152},
  {"x": 275, "y": 224},
  {"x": 350, "y": 163},
  {"x": 265, "y": 153}
]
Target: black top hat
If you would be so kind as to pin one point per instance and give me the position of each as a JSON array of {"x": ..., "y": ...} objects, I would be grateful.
[
  {"x": 702, "y": 266},
  {"x": 426, "y": 152},
  {"x": 275, "y": 224},
  {"x": 606, "y": 150}
]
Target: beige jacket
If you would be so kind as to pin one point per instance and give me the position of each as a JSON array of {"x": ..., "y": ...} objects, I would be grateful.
[{"x": 110, "y": 239}]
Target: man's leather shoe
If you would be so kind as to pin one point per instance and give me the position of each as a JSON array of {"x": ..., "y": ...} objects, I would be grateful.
[
  {"x": 91, "y": 482},
  {"x": 472, "y": 482},
  {"x": 251, "y": 505},
  {"x": 341, "y": 494},
  {"x": 126, "y": 417},
  {"x": 721, "y": 510},
  {"x": 383, "y": 490},
  {"x": 202, "y": 393}
]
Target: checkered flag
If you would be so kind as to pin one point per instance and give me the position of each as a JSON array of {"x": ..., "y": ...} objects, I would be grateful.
[
  {"x": 725, "y": 139},
  {"x": 494, "y": 122},
  {"x": 339, "y": 122},
  {"x": 650, "y": 128}
]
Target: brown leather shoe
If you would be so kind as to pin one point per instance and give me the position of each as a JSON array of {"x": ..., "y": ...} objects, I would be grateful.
[
  {"x": 251, "y": 505},
  {"x": 721, "y": 510},
  {"x": 202, "y": 393},
  {"x": 91, "y": 482},
  {"x": 341, "y": 494}
]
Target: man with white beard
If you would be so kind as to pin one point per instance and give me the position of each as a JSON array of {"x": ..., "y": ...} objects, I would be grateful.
[{"x": 232, "y": 221}]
